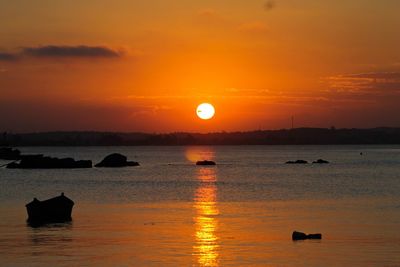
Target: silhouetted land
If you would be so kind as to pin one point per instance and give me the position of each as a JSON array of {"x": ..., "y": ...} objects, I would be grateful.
[{"x": 299, "y": 136}]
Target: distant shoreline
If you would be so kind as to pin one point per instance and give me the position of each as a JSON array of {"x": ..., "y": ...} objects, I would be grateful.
[{"x": 298, "y": 136}]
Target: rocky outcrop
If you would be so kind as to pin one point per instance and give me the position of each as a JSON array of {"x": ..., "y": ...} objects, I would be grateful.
[
  {"x": 299, "y": 161},
  {"x": 8, "y": 153},
  {"x": 205, "y": 163},
  {"x": 320, "y": 161},
  {"x": 116, "y": 160},
  {"x": 42, "y": 162},
  {"x": 302, "y": 236}
]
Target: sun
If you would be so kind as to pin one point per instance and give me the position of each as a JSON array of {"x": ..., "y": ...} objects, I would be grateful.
[{"x": 205, "y": 111}]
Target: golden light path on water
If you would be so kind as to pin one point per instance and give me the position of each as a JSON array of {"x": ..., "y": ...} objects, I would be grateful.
[{"x": 206, "y": 246}]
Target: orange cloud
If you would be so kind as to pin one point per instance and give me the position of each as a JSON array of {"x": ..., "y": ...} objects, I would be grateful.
[{"x": 367, "y": 83}]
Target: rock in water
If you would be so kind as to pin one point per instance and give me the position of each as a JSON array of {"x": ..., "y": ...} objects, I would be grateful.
[
  {"x": 8, "y": 153},
  {"x": 299, "y": 236},
  {"x": 54, "y": 210},
  {"x": 314, "y": 236},
  {"x": 41, "y": 162},
  {"x": 302, "y": 236},
  {"x": 321, "y": 161},
  {"x": 299, "y": 161},
  {"x": 116, "y": 160},
  {"x": 206, "y": 162}
]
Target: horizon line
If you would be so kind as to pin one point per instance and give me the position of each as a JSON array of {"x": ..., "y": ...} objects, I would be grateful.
[{"x": 200, "y": 133}]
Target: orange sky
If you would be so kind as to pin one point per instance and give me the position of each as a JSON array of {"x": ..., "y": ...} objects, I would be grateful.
[{"x": 146, "y": 65}]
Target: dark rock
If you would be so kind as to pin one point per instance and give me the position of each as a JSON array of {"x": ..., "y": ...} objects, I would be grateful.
[
  {"x": 299, "y": 161},
  {"x": 54, "y": 210},
  {"x": 321, "y": 161},
  {"x": 30, "y": 156},
  {"x": 206, "y": 163},
  {"x": 314, "y": 236},
  {"x": 42, "y": 162},
  {"x": 298, "y": 236},
  {"x": 12, "y": 165},
  {"x": 302, "y": 236},
  {"x": 116, "y": 160},
  {"x": 8, "y": 153}
]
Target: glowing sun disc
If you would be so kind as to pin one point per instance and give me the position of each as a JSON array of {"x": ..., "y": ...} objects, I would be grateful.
[{"x": 205, "y": 111}]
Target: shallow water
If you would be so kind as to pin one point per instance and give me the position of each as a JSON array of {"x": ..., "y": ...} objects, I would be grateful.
[{"x": 168, "y": 212}]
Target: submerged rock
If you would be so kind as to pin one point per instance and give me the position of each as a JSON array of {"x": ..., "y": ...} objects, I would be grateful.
[
  {"x": 299, "y": 161},
  {"x": 53, "y": 210},
  {"x": 9, "y": 153},
  {"x": 302, "y": 236},
  {"x": 116, "y": 160},
  {"x": 206, "y": 162},
  {"x": 321, "y": 161},
  {"x": 42, "y": 162}
]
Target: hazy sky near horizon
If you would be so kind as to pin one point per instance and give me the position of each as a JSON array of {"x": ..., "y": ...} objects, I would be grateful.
[{"x": 129, "y": 65}]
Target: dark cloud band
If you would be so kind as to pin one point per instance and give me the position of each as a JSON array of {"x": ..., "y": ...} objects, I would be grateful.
[
  {"x": 71, "y": 51},
  {"x": 8, "y": 57}
]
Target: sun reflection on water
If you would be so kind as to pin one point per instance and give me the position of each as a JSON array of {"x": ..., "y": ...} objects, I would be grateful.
[
  {"x": 196, "y": 153},
  {"x": 206, "y": 222}
]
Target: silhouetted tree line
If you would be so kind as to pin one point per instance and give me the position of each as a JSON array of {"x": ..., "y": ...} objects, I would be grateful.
[{"x": 299, "y": 136}]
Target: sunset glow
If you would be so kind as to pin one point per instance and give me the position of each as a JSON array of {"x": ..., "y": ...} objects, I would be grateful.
[{"x": 144, "y": 65}]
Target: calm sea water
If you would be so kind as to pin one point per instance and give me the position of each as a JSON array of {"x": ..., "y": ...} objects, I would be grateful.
[{"x": 169, "y": 212}]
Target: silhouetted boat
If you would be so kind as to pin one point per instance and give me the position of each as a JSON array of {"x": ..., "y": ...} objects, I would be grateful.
[{"x": 53, "y": 210}]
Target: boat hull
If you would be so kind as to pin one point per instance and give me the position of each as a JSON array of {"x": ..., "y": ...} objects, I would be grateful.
[{"x": 54, "y": 210}]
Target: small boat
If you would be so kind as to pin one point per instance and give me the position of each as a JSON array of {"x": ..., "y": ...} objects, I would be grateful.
[
  {"x": 53, "y": 210},
  {"x": 206, "y": 162}
]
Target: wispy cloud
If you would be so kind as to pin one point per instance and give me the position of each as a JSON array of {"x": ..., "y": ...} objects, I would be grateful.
[
  {"x": 372, "y": 82},
  {"x": 72, "y": 51}
]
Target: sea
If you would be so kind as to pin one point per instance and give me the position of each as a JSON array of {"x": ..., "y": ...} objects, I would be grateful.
[{"x": 241, "y": 212}]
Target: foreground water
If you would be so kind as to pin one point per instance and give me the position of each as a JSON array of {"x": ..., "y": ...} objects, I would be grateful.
[{"x": 169, "y": 212}]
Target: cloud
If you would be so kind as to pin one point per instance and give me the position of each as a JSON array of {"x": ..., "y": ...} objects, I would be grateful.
[
  {"x": 72, "y": 51},
  {"x": 269, "y": 5},
  {"x": 8, "y": 56},
  {"x": 253, "y": 27},
  {"x": 372, "y": 82}
]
